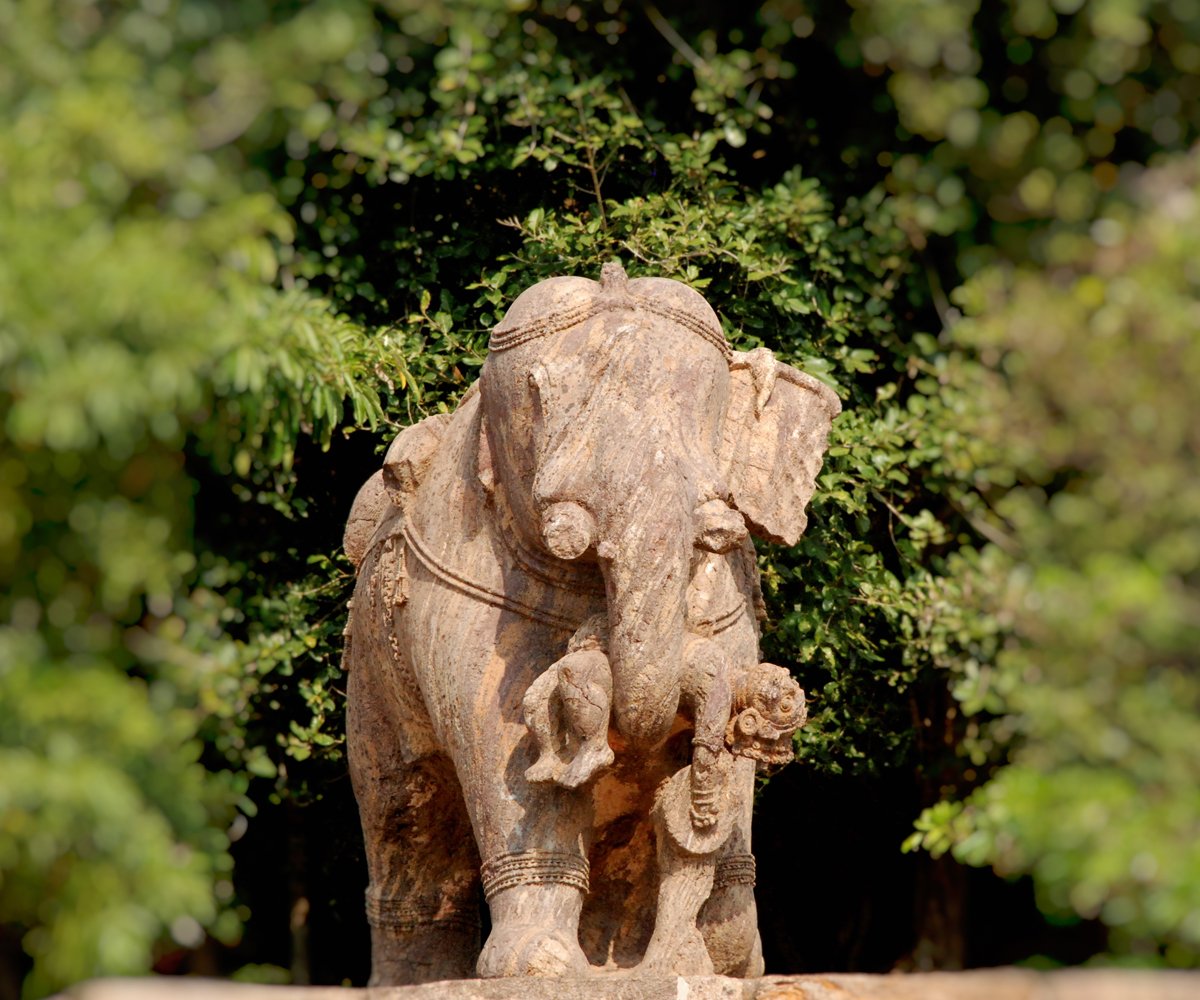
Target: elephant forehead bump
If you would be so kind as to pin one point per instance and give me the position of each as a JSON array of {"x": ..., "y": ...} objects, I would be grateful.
[{"x": 557, "y": 304}]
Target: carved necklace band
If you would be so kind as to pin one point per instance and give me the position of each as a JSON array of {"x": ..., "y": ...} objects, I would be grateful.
[{"x": 464, "y": 585}]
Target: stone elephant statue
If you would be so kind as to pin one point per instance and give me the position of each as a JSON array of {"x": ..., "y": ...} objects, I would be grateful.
[{"x": 554, "y": 689}]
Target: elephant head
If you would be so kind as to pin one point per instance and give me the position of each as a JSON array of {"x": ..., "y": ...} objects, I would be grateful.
[{"x": 620, "y": 428}]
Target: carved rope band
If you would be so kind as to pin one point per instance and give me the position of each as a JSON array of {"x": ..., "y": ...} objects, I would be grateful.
[
  {"x": 469, "y": 587},
  {"x": 719, "y": 623},
  {"x": 564, "y": 319},
  {"x": 464, "y": 585},
  {"x": 504, "y": 871},
  {"x": 571, "y": 577},
  {"x": 736, "y": 869}
]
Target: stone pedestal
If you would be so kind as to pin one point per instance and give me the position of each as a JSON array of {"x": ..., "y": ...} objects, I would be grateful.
[{"x": 987, "y": 984}]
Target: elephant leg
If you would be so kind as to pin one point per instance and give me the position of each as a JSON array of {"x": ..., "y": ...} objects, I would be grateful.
[
  {"x": 530, "y": 834},
  {"x": 729, "y": 919},
  {"x": 476, "y": 661},
  {"x": 677, "y": 947},
  {"x": 534, "y": 870},
  {"x": 423, "y": 897}
]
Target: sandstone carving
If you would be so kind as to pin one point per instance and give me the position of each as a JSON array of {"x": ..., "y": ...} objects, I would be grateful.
[{"x": 555, "y": 691}]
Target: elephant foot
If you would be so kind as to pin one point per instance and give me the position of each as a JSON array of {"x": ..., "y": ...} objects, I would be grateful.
[
  {"x": 592, "y": 757},
  {"x": 729, "y": 925},
  {"x": 531, "y": 950},
  {"x": 422, "y": 954}
]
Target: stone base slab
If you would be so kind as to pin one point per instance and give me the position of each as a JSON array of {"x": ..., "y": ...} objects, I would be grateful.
[{"x": 984, "y": 984}]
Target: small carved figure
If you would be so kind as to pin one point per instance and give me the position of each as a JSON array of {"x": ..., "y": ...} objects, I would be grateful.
[
  {"x": 555, "y": 694},
  {"x": 579, "y": 686},
  {"x": 768, "y": 707}
]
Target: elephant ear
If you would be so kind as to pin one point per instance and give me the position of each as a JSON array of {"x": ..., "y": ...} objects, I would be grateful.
[
  {"x": 407, "y": 459},
  {"x": 371, "y": 504},
  {"x": 774, "y": 439},
  {"x": 410, "y": 455}
]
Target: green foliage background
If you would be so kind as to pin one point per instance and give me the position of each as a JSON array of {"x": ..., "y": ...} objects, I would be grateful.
[{"x": 244, "y": 242}]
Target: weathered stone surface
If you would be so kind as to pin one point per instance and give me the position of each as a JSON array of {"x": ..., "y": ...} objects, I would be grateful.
[
  {"x": 990, "y": 984},
  {"x": 555, "y": 694}
]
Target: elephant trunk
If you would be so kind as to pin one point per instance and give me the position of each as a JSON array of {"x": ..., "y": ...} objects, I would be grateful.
[
  {"x": 632, "y": 503},
  {"x": 646, "y": 574}
]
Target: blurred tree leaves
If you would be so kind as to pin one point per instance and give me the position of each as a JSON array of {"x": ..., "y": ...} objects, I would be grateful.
[
  {"x": 1073, "y": 374},
  {"x": 1091, "y": 408},
  {"x": 1033, "y": 111},
  {"x": 141, "y": 321}
]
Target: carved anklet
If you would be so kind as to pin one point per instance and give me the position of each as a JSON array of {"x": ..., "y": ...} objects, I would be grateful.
[
  {"x": 408, "y": 915},
  {"x": 503, "y": 871},
  {"x": 736, "y": 869}
]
